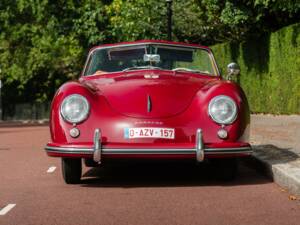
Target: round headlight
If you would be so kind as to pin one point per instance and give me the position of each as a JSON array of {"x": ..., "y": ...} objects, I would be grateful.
[
  {"x": 75, "y": 108},
  {"x": 222, "y": 109}
]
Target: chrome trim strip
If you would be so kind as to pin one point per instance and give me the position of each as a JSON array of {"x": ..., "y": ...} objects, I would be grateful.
[
  {"x": 149, "y": 151},
  {"x": 229, "y": 149},
  {"x": 97, "y": 146},
  {"x": 174, "y": 151},
  {"x": 149, "y": 104},
  {"x": 199, "y": 146},
  {"x": 50, "y": 148},
  {"x": 229, "y": 152}
]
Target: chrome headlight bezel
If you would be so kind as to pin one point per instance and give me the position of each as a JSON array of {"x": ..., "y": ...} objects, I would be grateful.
[
  {"x": 83, "y": 114},
  {"x": 231, "y": 103}
]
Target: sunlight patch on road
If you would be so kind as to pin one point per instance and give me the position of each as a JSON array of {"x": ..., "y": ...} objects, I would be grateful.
[
  {"x": 51, "y": 169},
  {"x": 6, "y": 209}
]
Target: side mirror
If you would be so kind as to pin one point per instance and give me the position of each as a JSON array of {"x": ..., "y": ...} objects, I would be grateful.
[{"x": 233, "y": 69}]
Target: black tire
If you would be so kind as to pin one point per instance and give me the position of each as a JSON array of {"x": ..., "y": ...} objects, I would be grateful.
[
  {"x": 90, "y": 163},
  {"x": 225, "y": 169},
  {"x": 71, "y": 170}
]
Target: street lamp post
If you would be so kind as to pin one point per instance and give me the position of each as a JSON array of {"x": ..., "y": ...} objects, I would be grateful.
[{"x": 169, "y": 13}]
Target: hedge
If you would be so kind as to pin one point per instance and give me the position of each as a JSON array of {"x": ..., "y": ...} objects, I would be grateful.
[{"x": 270, "y": 69}]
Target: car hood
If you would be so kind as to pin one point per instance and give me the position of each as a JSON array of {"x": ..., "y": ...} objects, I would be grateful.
[{"x": 149, "y": 94}]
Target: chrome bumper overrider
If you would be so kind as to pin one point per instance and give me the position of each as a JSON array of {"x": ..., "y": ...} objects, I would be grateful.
[
  {"x": 98, "y": 150},
  {"x": 97, "y": 146},
  {"x": 199, "y": 146}
]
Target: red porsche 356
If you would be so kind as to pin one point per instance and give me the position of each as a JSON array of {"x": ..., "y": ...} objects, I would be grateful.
[{"x": 149, "y": 99}]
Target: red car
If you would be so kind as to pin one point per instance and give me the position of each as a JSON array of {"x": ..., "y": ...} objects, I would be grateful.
[{"x": 149, "y": 100}]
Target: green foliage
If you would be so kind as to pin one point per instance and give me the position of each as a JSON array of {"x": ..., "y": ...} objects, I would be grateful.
[
  {"x": 232, "y": 20},
  {"x": 90, "y": 25},
  {"x": 44, "y": 43},
  {"x": 204, "y": 21},
  {"x": 269, "y": 69},
  {"x": 133, "y": 20}
]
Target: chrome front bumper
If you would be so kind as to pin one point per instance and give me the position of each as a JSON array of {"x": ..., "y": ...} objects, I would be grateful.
[{"x": 98, "y": 150}]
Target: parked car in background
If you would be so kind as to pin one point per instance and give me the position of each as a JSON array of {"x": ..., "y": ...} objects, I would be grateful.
[{"x": 149, "y": 100}]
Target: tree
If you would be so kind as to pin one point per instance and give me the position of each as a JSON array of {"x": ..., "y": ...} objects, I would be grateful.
[
  {"x": 41, "y": 46},
  {"x": 44, "y": 43},
  {"x": 136, "y": 19}
]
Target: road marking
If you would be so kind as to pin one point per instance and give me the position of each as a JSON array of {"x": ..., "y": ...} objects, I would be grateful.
[
  {"x": 6, "y": 209},
  {"x": 51, "y": 169}
]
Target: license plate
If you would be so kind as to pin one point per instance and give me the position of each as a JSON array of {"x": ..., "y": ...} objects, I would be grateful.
[{"x": 149, "y": 132}]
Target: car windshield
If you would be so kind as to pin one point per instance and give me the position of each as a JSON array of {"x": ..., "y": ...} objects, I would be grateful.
[{"x": 150, "y": 56}]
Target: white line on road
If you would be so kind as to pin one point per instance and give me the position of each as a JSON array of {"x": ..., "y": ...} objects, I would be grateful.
[
  {"x": 6, "y": 209},
  {"x": 51, "y": 169}
]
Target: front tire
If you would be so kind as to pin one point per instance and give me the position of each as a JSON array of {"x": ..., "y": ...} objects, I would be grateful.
[
  {"x": 71, "y": 170},
  {"x": 226, "y": 169}
]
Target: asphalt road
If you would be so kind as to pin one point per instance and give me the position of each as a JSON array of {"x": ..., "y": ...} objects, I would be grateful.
[{"x": 130, "y": 193}]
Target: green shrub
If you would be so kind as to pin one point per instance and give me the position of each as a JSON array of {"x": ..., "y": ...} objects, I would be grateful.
[{"x": 270, "y": 69}]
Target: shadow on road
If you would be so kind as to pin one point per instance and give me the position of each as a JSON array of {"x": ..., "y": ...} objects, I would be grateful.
[
  {"x": 275, "y": 154},
  {"x": 134, "y": 175}
]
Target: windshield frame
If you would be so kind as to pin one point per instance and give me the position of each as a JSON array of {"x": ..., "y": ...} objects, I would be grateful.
[{"x": 183, "y": 45}]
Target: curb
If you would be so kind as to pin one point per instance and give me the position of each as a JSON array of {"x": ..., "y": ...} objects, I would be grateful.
[
  {"x": 281, "y": 165},
  {"x": 23, "y": 123}
]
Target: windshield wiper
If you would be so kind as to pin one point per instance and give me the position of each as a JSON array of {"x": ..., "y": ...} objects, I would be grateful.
[
  {"x": 189, "y": 70},
  {"x": 141, "y": 68}
]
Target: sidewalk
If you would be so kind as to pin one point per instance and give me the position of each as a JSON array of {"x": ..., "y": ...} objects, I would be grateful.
[{"x": 276, "y": 145}]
